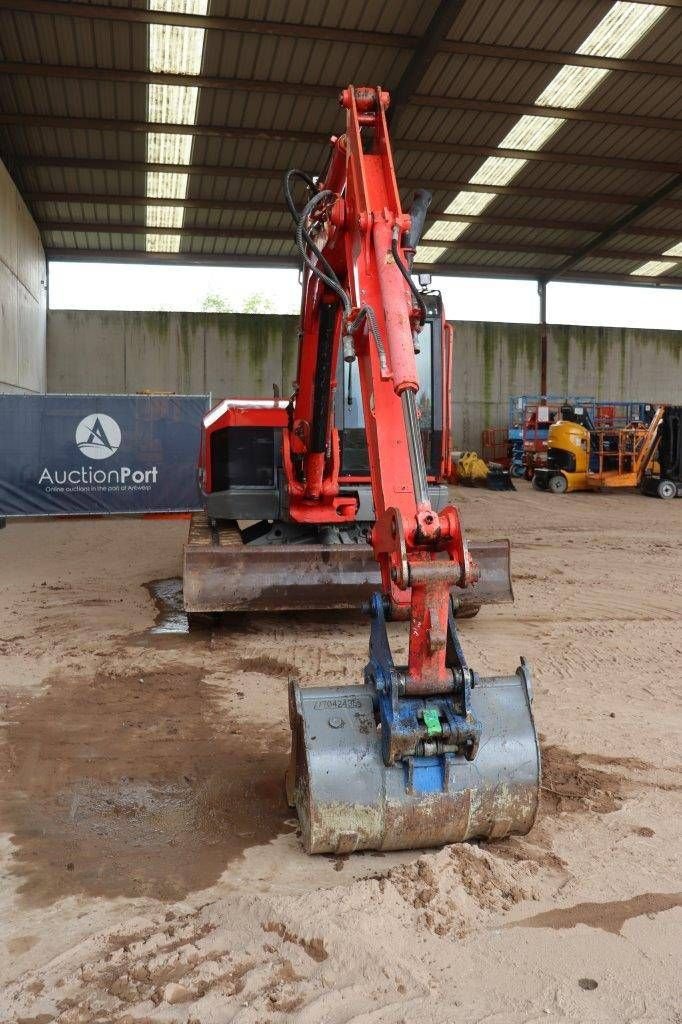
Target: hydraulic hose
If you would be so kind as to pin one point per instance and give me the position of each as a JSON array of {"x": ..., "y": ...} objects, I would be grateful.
[
  {"x": 408, "y": 277},
  {"x": 303, "y": 236},
  {"x": 294, "y": 172},
  {"x": 327, "y": 275}
]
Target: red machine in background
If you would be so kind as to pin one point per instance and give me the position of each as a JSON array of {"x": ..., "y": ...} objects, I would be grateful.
[{"x": 429, "y": 752}]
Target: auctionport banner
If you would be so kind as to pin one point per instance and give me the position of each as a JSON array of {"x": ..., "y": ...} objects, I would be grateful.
[{"x": 85, "y": 454}]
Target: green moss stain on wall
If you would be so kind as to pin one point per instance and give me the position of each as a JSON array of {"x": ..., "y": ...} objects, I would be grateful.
[
  {"x": 560, "y": 341},
  {"x": 488, "y": 343},
  {"x": 190, "y": 336},
  {"x": 594, "y": 345},
  {"x": 603, "y": 342},
  {"x": 522, "y": 340},
  {"x": 584, "y": 343},
  {"x": 259, "y": 334},
  {"x": 253, "y": 337},
  {"x": 509, "y": 354},
  {"x": 668, "y": 342},
  {"x": 223, "y": 321},
  {"x": 621, "y": 341},
  {"x": 289, "y": 354},
  {"x": 157, "y": 324},
  {"x": 258, "y": 350}
]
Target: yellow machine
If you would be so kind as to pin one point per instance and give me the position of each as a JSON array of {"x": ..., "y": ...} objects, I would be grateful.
[{"x": 584, "y": 459}]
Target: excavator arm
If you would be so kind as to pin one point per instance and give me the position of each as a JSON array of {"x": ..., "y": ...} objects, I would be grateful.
[
  {"x": 358, "y": 292},
  {"x": 424, "y": 720}
]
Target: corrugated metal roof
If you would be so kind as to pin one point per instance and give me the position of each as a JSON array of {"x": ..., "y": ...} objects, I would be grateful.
[{"x": 290, "y": 57}]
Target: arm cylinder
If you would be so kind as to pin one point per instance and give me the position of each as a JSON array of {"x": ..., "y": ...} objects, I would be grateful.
[{"x": 397, "y": 308}]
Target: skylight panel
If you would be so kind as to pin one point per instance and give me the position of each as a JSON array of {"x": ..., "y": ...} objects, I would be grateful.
[
  {"x": 653, "y": 268},
  {"x": 445, "y": 230},
  {"x": 531, "y": 132},
  {"x": 428, "y": 253},
  {"x": 470, "y": 203},
  {"x": 172, "y": 50},
  {"x": 497, "y": 170},
  {"x": 179, "y": 6},
  {"x": 162, "y": 243},
  {"x": 172, "y": 104},
  {"x": 166, "y": 185},
  {"x": 165, "y": 216},
  {"x": 622, "y": 26},
  {"x": 570, "y": 87},
  {"x": 175, "y": 50},
  {"x": 168, "y": 149}
]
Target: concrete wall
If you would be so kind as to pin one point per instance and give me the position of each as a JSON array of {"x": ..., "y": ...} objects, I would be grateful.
[
  {"x": 244, "y": 355},
  {"x": 493, "y": 361},
  {"x": 23, "y": 294},
  {"x": 235, "y": 354}
]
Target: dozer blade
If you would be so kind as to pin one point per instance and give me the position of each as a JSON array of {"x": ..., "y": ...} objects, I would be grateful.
[
  {"x": 222, "y": 574},
  {"x": 347, "y": 799}
]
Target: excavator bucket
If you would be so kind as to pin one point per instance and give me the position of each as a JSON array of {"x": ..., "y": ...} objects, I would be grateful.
[
  {"x": 348, "y": 799},
  {"x": 223, "y": 574}
]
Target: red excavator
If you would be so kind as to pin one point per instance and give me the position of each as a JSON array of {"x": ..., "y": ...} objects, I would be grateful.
[{"x": 337, "y": 496}]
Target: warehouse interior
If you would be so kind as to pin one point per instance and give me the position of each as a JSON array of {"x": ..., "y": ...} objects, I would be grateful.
[{"x": 152, "y": 867}]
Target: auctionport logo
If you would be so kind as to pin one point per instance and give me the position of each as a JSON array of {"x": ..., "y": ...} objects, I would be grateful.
[{"x": 98, "y": 436}]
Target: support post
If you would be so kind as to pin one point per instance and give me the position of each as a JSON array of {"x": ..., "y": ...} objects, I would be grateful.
[{"x": 542, "y": 293}]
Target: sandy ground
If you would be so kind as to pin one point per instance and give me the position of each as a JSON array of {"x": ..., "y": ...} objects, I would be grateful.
[{"x": 152, "y": 872}]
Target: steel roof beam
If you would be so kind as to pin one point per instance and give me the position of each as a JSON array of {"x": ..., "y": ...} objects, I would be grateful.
[
  {"x": 259, "y": 234},
  {"x": 319, "y": 32},
  {"x": 109, "y": 228},
  {"x": 424, "y": 52},
  {"x": 144, "y": 16},
  {"x": 622, "y": 224},
  {"x": 446, "y": 269},
  {"x": 142, "y": 77},
  {"x": 660, "y": 3},
  {"x": 115, "y": 75},
  {"x": 182, "y": 258},
  {"x": 112, "y": 199},
  {"x": 258, "y": 206},
  {"x": 285, "y": 134},
  {"x": 537, "y": 56},
  {"x": 531, "y": 274},
  {"x": 563, "y": 113},
  {"x": 108, "y": 124},
  {"x": 273, "y": 174}
]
